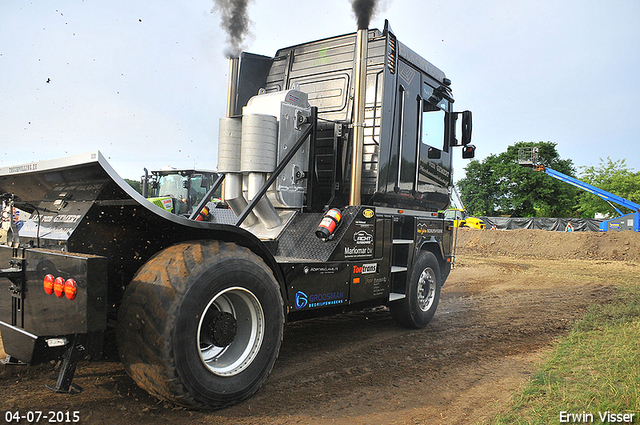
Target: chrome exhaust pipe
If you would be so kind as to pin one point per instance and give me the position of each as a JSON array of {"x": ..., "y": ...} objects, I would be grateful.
[
  {"x": 232, "y": 88},
  {"x": 360, "y": 80}
]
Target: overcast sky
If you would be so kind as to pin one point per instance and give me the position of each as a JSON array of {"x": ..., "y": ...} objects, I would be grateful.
[{"x": 145, "y": 82}]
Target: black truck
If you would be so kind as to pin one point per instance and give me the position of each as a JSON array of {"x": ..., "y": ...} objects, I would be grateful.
[{"x": 335, "y": 161}]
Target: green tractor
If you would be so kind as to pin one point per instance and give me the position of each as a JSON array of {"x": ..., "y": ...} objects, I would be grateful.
[{"x": 178, "y": 191}]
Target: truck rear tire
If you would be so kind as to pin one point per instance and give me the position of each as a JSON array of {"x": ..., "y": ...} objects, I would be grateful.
[
  {"x": 423, "y": 293},
  {"x": 201, "y": 324}
]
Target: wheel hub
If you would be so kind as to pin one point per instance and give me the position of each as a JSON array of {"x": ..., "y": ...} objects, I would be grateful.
[
  {"x": 426, "y": 289},
  {"x": 230, "y": 331},
  {"x": 223, "y": 328}
]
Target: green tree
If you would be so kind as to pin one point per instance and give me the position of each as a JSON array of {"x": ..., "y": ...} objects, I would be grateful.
[
  {"x": 500, "y": 186},
  {"x": 137, "y": 185},
  {"x": 613, "y": 177}
]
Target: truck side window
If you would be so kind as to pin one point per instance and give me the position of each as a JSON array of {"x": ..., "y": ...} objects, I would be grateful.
[
  {"x": 432, "y": 126},
  {"x": 433, "y": 118}
]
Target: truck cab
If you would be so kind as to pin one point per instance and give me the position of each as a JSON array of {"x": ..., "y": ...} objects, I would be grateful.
[{"x": 410, "y": 126}]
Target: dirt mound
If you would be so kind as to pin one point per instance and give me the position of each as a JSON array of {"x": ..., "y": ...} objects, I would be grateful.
[{"x": 620, "y": 246}]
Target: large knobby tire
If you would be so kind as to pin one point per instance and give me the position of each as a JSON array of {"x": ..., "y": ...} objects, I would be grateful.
[
  {"x": 423, "y": 293},
  {"x": 201, "y": 324}
]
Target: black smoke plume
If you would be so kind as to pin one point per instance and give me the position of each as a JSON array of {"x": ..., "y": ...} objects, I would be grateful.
[
  {"x": 235, "y": 21},
  {"x": 364, "y": 10}
]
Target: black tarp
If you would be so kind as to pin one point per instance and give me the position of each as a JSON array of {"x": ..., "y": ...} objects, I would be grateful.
[{"x": 542, "y": 223}]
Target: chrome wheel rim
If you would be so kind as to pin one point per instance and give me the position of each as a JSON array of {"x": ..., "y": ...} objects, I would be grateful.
[
  {"x": 426, "y": 289},
  {"x": 230, "y": 331}
]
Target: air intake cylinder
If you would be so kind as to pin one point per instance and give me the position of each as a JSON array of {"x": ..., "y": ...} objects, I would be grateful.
[
  {"x": 258, "y": 157},
  {"x": 229, "y": 153}
]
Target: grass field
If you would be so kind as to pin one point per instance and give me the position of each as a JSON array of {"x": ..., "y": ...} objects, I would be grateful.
[{"x": 592, "y": 375}]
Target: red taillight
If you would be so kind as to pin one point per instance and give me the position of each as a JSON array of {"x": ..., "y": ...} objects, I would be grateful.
[
  {"x": 70, "y": 289},
  {"x": 48, "y": 284},
  {"x": 58, "y": 287}
]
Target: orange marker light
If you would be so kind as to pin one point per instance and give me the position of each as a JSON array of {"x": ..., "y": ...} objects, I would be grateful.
[
  {"x": 48, "y": 284},
  {"x": 58, "y": 287},
  {"x": 70, "y": 289}
]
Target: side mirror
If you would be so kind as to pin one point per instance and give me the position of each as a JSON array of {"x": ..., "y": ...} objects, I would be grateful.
[
  {"x": 466, "y": 128},
  {"x": 468, "y": 152}
]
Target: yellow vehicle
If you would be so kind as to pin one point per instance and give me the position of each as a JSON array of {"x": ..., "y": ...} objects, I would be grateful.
[{"x": 462, "y": 219}]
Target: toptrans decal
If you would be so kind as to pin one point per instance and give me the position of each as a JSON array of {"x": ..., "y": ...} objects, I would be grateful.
[
  {"x": 318, "y": 300},
  {"x": 368, "y": 213},
  {"x": 366, "y": 268}
]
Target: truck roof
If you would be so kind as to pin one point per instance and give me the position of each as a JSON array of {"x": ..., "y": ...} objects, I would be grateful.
[{"x": 404, "y": 51}]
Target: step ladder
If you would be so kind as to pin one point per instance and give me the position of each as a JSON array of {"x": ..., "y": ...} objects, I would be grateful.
[{"x": 401, "y": 251}]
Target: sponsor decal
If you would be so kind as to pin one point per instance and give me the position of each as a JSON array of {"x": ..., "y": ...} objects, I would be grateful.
[
  {"x": 366, "y": 268},
  {"x": 321, "y": 270},
  {"x": 350, "y": 252},
  {"x": 23, "y": 168},
  {"x": 63, "y": 218},
  {"x": 301, "y": 299},
  {"x": 425, "y": 229},
  {"x": 435, "y": 172},
  {"x": 318, "y": 300},
  {"x": 362, "y": 238},
  {"x": 364, "y": 224},
  {"x": 368, "y": 213},
  {"x": 81, "y": 187}
]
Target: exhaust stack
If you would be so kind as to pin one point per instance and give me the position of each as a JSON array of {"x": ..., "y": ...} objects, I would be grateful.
[
  {"x": 360, "y": 80},
  {"x": 229, "y": 149},
  {"x": 232, "y": 89}
]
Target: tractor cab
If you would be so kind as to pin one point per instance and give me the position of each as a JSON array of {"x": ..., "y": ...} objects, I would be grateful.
[{"x": 175, "y": 190}]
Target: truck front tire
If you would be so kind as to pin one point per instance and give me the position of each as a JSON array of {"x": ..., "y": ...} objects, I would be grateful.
[
  {"x": 423, "y": 293},
  {"x": 201, "y": 324}
]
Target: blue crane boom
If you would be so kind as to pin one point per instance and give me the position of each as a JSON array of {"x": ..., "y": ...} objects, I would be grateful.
[
  {"x": 610, "y": 197},
  {"x": 529, "y": 156}
]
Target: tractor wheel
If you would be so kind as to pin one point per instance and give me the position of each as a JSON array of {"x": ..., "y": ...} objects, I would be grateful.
[
  {"x": 201, "y": 324},
  {"x": 423, "y": 293}
]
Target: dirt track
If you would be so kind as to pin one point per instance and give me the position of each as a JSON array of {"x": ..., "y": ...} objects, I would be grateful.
[{"x": 498, "y": 313}]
